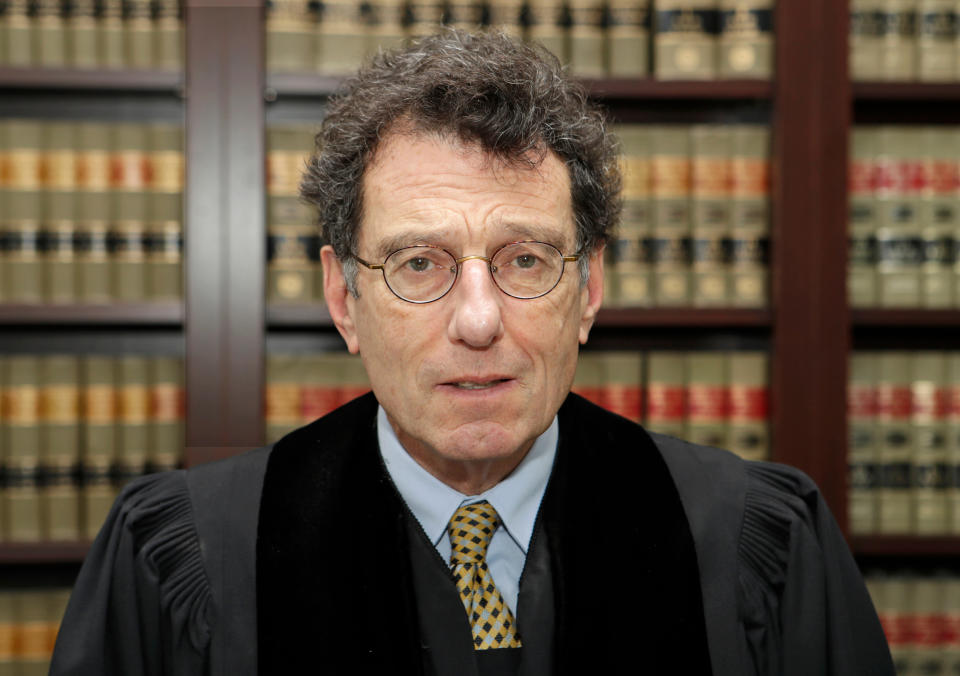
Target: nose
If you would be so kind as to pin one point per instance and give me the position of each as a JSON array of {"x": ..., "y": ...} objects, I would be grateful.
[{"x": 476, "y": 318}]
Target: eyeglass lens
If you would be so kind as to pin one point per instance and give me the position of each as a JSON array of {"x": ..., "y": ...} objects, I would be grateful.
[{"x": 522, "y": 270}]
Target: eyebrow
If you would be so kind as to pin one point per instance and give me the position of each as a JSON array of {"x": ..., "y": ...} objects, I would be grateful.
[{"x": 443, "y": 237}]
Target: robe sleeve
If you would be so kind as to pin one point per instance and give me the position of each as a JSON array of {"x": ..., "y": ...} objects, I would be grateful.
[
  {"x": 803, "y": 603},
  {"x": 141, "y": 603}
]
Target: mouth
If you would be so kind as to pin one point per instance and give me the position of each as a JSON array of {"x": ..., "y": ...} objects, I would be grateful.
[{"x": 476, "y": 384}]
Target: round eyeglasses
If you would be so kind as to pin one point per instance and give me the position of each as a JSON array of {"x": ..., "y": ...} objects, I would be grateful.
[{"x": 423, "y": 274}]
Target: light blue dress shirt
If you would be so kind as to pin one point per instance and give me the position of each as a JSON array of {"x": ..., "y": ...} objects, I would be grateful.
[{"x": 517, "y": 500}]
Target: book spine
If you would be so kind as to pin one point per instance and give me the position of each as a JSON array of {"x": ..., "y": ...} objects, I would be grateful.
[
  {"x": 19, "y": 33},
  {"x": 49, "y": 33},
  {"x": 168, "y": 35},
  {"x": 82, "y": 34},
  {"x": 321, "y": 376},
  {"x": 748, "y": 253},
  {"x": 59, "y": 171},
  {"x": 354, "y": 381},
  {"x": 128, "y": 173},
  {"x": 894, "y": 401},
  {"x": 4, "y": 198},
  {"x": 466, "y": 15},
  {"x": 8, "y": 632},
  {"x": 953, "y": 441},
  {"x": 745, "y": 39},
  {"x": 867, "y": 27},
  {"x": 710, "y": 192},
  {"x": 32, "y": 632},
  {"x": 100, "y": 407},
  {"x": 138, "y": 34},
  {"x": 546, "y": 24},
  {"x": 939, "y": 217},
  {"x": 628, "y": 253},
  {"x": 707, "y": 399},
  {"x": 385, "y": 28},
  {"x": 897, "y": 622},
  {"x": 134, "y": 418},
  {"x": 586, "y": 38},
  {"x": 283, "y": 395},
  {"x": 341, "y": 38},
  {"x": 164, "y": 231},
  {"x": 3, "y": 453},
  {"x": 666, "y": 394},
  {"x": 111, "y": 35},
  {"x": 748, "y": 405},
  {"x": 94, "y": 198},
  {"x": 622, "y": 384},
  {"x": 508, "y": 16},
  {"x": 929, "y": 430},
  {"x": 291, "y": 30},
  {"x": 899, "y": 242},
  {"x": 927, "y": 619},
  {"x": 685, "y": 39},
  {"x": 628, "y": 38},
  {"x": 589, "y": 379},
  {"x": 936, "y": 40},
  {"x": 166, "y": 394},
  {"x": 899, "y": 42},
  {"x": 862, "y": 238},
  {"x": 951, "y": 625},
  {"x": 22, "y": 492},
  {"x": 60, "y": 446},
  {"x": 22, "y": 267},
  {"x": 862, "y": 458},
  {"x": 670, "y": 241}
]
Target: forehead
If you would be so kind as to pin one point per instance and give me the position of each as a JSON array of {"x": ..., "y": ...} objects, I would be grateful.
[{"x": 440, "y": 190}]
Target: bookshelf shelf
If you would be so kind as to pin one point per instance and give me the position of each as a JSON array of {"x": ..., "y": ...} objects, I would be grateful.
[
  {"x": 898, "y": 91},
  {"x": 140, "y": 81},
  {"x": 308, "y": 84},
  {"x": 904, "y": 317},
  {"x": 128, "y": 314},
  {"x": 905, "y": 545},
  {"x": 43, "y": 552}
]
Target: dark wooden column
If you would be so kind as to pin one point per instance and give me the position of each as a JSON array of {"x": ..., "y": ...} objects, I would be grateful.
[
  {"x": 224, "y": 233},
  {"x": 811, "y": 325}
]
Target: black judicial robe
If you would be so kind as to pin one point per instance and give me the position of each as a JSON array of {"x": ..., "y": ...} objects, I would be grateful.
[{"x": 666, "y": 557}]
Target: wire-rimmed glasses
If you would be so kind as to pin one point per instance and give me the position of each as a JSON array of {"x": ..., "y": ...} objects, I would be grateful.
[{"x": 423, "y": 273}]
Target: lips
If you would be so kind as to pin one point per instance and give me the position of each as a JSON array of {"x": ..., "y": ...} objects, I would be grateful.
[{"x": 476, "y": 383}]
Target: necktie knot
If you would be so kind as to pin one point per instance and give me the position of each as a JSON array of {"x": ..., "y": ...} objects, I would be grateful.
[{"x": 471, "y": 529}]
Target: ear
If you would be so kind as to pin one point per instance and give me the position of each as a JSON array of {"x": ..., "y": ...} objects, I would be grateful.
[
  {"x": 591, "y": 296},
  {"x": 338, "y": 298}
]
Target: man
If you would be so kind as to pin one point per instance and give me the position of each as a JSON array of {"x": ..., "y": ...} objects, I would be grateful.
[{"x": 470, "y": 516}]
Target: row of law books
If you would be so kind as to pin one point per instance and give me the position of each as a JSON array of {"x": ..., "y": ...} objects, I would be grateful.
[
  {"x": 714, "y": 398},
  {"x": 691, "y": 39},
  {"x": 74, "y": 429},
  {"x": 92, "y": 34},
  {"x": 920, "y": 614},
  {"x": 303, "y": 387},
  {"x": 904, "y": 40},
  {"x": 903, "y": 411},
  {"x": 904, "y": 217},
  {"x": 695, "y": 224},
  {"x": 90, "y": 212},
  {"x": 29, "y": 621},
  {"x": 294, "y": 274}
]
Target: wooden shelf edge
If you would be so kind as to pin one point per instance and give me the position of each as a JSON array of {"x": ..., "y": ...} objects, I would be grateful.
[
  {"x": 43, "y": 552},
  {"x": 903, "y": 317},
  {"x": 308, "y": 315},
  {"x": 311, "y": 84},
  {"x": 905, "y": 545},
  {"x": 87, "y": 80},
  {"x": 886, "y": 91},
  {"x": 129, "y": 314}
]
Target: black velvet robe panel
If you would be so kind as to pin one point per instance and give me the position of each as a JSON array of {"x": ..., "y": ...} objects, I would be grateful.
[{"x": 333, "y": 572}]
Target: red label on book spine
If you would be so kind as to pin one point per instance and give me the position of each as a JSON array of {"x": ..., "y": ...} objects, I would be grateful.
[
  {"x": 665, "y": 403},
  {"x": 860, "y": 178},
  {"x": 625, "y": 400},
  {"x": 894, "y": 401},
  {"x": 318, "y": 400},
  {"x": 707, "y": 403},
  {"x": 861, "y": 401}
]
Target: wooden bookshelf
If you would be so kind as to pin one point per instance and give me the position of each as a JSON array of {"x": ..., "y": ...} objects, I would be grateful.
[
  {"x": 909, "y": 91},
  {"x": 159, "y": 314},
  {"x": 904, "y": 317},
  {"x": 912, "y": 546},
  {"x": 43, "y": 552},
  {"x": 64, "y": 79}
]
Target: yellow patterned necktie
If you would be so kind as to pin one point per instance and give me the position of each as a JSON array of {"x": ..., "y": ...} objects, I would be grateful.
[{"x": 471, "y": 529}]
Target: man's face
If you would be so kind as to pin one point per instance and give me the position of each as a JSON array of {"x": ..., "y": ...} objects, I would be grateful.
[{"x": 471, "y": 379}]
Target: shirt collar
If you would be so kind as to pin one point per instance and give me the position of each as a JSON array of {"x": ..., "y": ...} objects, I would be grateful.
[{"x": 516, "y": 498}]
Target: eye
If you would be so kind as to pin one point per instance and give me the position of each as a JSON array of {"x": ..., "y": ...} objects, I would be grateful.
[
  {"x": 419, "y": 264},
  {"x": 525, "y": 261}
]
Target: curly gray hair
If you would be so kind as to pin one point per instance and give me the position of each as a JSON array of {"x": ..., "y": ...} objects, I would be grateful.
[{"x": 513, "y": 100}]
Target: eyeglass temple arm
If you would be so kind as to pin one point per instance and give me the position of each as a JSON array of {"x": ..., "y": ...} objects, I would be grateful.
[{"x": 372, "y": 266}]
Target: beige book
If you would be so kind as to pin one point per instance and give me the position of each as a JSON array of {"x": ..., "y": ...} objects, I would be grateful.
[
  {"x": 898, "y": 53},
  {"x": 507, "y": 16},
  {"x": 895, "y": 614},
  {"x": 98, "y": 449},
  {"x": 19, "y": 34},
  {"x": 341, "y": 38},
  {"x": 60, "y": 446},
  {"x": 685, "y": 40},
  {"x": 707, "y": 383},
  {"x": 622, "y": 383},
  {"x": 321, "y": 379},
  {"x": 628, "y": 38},
  {"x": 82, "y": 34},
  {"x": 896, "y": 442},
  {"x": 355, "y": 381},
  {"x": 710, "y": 211},
  {"x": 466, "y": 15},
  {"x": 951, "y": 613},
  {"x": 111, "y": 35},
  {"x": 283, "y": 395},
  {"x": 666, "y": 393},
  {"x": 929, "y": 470},
  {"x": 291, "y": 36},
  {"x": 167, "y": 35},
  {"x": 749, "y": 216},
  {"x": 22, "y": 272},
  {"x": 424, "y": 17},
  {"x": 32, "y": 632},
  {"x": 585, "y": 38},
  {"x": 166, "y": 394},
  {"x": 745, "y": 40},
  {"x": 49, "y": 34},
  {"x": 59, "y": 171},
  {"x": 936, "y": 40},
  {"x": 862, "y": 449},
  {"x": 670, "y": 170},
  {"x": 588, "y": 381},
  {"x": 129, "y": 174},
  {"x": 8, "y": 632},
  {"x": 134, "y": 417},
  {"x": 138, "y": 34},
  {"x": 927, "y": 615},
  {"x": 629, "y": 274},
  {"x": 545, "y": 24},
  {"x": 862, "y": 223},
  {"x": 939, "y": 216},
  {"x": 3, "y": 443},
  {"x": 164, "y": 226},
  {"x": 21, "y": 495},
  {"x": 748, "y": 433},
  {"x": 384, "y": 26},
  {"x": 899, "y": 250},
  {"x": 867, "y": 29},
  {"x": 94, "y": 198}
]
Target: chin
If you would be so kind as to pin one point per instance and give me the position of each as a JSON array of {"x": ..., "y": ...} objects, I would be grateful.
[{"x": 481, "y": 441}]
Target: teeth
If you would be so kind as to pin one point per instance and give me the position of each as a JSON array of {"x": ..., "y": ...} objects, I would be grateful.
[{"x": 477, "y": 386}]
